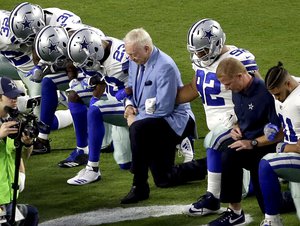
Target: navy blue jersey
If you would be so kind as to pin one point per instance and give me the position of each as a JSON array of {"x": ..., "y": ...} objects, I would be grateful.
[{"x": 254, "y": 108}]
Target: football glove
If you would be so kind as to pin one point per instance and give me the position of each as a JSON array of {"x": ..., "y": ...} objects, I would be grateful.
[
  {"x": 38, "y": 72},
  {"x": 95, "y": 80},
  {"x": 35, "y": 73},
  {"x": 280, "y": 147},
  {"x": 121, "y": 94},
  {"x": 78, "y": 85},
  {"x": 270, "y": 131}
]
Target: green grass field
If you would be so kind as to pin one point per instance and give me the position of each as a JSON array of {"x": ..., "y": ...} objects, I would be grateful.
[{"x": 269, "y": 29}]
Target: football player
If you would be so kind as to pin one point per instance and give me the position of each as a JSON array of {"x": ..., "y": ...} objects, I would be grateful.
[
  {"x": 285, "y": 163},
  {"x": 51, "y": 48},
  {"x": 105, "y": 58},
  {"x": 25, "y": 21},
  {"x": 17, "y": 60},
  {"x": 206, "y": 44}
]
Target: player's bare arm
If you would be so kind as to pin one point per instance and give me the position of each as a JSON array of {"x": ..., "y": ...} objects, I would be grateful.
[
  {"x": 71, "y": 70},
  {"x": 187, "y": 93},
  {"x": 293, "y": 147},
  {"x": 35, "y": 57},
  {"x": 99, "y": 90}
]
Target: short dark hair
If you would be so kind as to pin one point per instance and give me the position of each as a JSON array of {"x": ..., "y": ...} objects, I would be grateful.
[{"x": 276, "y": 76}]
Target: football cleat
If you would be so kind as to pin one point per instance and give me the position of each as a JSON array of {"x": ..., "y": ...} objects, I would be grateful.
[
  {"x": 76, "y": 158},
  {"x": 185, "y": 149},
  {"x": 41, "y": 146},
  {"x": 207, "y": 204},
  {"x": 229, "y": 218},
  {"x": 271, "y": 222},
  {"x": 85, "y": 176}
]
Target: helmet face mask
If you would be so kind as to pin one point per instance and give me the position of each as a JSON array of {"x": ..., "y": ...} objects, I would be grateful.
[
  {"x": 90, "y": 63},
  {"x": 25, "y": 21},
  {"x": 85, "y": 49},
  {"x": 205, "y": 42},
  {"x": 51, "y": 44}
]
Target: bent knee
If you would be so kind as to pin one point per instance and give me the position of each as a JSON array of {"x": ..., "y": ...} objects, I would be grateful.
[{"x": 74, "y": 97}]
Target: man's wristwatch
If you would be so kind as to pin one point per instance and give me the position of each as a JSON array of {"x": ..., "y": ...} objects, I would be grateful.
[{"x": 254, "y": 143}]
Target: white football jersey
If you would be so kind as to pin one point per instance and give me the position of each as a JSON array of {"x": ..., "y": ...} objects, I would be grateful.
[
  {"x": 60, "y": 17},
  {"x": 115, "y": 67},
  {"x": 5, "y": 33},
  {"x": 216, "y": 99},
  {"x": 78, "y": 26},
  {"x": 289, "y": 114},
  {"x": 20, "y": 56}
]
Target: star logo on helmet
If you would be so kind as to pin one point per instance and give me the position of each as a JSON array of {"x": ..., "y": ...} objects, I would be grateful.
[
  {"x": 52, "y": 47},
  {"x": 84, "y": 44},
  {"x": 26, "y": 23},
  {"x": 208, "y": 34},
  {"x": 12, "y": 84}
]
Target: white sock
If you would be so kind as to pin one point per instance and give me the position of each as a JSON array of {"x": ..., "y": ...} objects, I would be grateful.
[
  {"x": 43, "y": 136},
  {"x": 93, "y": 164},
  {"x": 85, "y": 149},
  {"x": 272, "y": 217},
  {"x": 238, "y": 212},
  {"x": 214, "y": 183},
  {"x": 64, "y": 118}
]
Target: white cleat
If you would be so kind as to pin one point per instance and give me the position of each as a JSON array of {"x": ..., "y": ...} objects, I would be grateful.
[
  {"x": 272, "y": 222},
  {"x": 186, "y": 150},
  {"x": 85, "y": 176}
]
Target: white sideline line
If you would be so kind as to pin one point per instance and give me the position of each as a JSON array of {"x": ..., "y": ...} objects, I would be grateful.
[{"x": 103, "y": 216}]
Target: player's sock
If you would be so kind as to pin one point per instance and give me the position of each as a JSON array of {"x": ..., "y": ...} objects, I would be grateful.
[
  {"x": 125, "y": 166},
  {"x": 79, "y": 115},
  {"x": 48, "y": 103},
  {"x": 85, "y": 149},
  {"x": 96, "y": 133},
  {"x": 270, "y": 187},
  {"x": 43, "y": 136},
  {"x": 93, "y": 164},
  {"x": 214, "y": 172}
]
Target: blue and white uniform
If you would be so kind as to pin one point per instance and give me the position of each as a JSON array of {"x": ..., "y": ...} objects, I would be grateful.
[
  {"x": 17, "y": 54},
  {"x": 106, "y": 109},
  {"x": 283, "y": 165},
  {"x": 16, "y": 61},
  {"x": 218, "y": 106}
]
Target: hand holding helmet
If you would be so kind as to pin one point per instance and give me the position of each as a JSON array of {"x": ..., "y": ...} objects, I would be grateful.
[{"x": 270, "y": 131}]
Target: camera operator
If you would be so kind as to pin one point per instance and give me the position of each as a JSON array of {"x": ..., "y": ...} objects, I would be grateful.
[{"x": 25, "y": 214}]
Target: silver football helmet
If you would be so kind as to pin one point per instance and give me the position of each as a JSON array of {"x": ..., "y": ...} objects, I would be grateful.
[
  {"x": 205, "y": 41},
  {"x": 25, "y": 21},
  {"x": 85, "y": 48},
  {"x": 51, "y": 44}
]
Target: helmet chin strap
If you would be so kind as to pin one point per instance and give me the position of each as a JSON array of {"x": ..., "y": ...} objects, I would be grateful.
[{"x": 96, "y": 66}]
